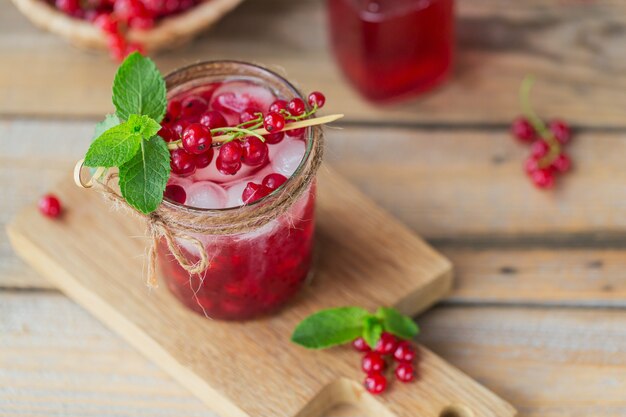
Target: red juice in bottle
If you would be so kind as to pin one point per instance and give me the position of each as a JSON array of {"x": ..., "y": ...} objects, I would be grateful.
[{"x": 393, "y": 48}]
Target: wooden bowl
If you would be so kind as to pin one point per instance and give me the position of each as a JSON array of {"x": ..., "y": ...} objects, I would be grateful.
[{"x": 168, "y": 32}]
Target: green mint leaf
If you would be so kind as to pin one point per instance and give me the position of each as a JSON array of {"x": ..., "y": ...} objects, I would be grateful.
[
  {"x": 109, "y": 121},
  {"x": 330, "y": 327},
  {"x": 143, "y": 178},
  {"x": 113, "y": 148},
  {"x": 139, "y": 88},
  {"x": 143, "y": 126},
  {"x": 396, "y": 323},
  {"x": 372, "y": 329}
]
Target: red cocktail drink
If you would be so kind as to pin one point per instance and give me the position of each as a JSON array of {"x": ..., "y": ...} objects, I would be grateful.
[{"x": 255, "y": 271}]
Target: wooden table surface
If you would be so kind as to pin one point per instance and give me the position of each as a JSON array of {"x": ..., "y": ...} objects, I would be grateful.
[{"x": 538, "y": 312}]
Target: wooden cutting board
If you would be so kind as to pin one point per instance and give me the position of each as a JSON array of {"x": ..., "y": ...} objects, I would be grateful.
[{"x": 365, "y": 258}]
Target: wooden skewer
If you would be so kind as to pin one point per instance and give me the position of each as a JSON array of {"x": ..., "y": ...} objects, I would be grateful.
[{"x": 289, "y": 126}]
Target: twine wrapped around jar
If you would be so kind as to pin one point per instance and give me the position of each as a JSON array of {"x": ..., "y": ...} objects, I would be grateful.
[{"x": 171, "y": 221}]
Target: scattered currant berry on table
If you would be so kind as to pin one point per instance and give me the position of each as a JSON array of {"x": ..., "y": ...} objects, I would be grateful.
[
  {"x": 274, "y": 122},
  {"x": 375, "y": 383},
  {"x": 561, "y": 131},
  {"x": 296, "y": 107},
  {"x": 404, "y": 352},
  {"x": 316, "y": 99},
  {"x": 254, "y": 192},
  {"x": 196, "y": 139},
  {"x": 386, "y": 344},
  {"x": 405, "y": 372},
  {"x": 373, "y": 362},
  {"x": 562, "y": 163},
  {"x": 254, "y": 151},
  {"x": 547, "y": 158},
  {"x": 50, "y": 206},
  {"x": 539, "y": 148},
  {"x": 523, "y": 130},
  {"x": 182, "y": 163},
  {"x": 543, "y": 178},
  {"x": 359, "y": 343},
  {"x": 176, "y": 193},
  {"x": 273, "y": 181}
]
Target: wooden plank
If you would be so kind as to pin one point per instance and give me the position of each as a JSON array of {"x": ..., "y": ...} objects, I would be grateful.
[
  {"x": 567, "y": 277},
  {"x": 68, "y": 364},
  {"x": 90, "y": 257},
  {"x": 573, "y": 47},
  {"x": 549, "y": 362}
]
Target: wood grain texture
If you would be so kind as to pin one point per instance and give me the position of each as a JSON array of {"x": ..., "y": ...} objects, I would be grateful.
[
  {"x": 90, "y": 258},
  {"x": 549, "y": 362},
  {"x": 498, "y": 43}
]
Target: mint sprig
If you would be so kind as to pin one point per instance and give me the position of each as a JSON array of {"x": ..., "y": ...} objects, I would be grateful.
[
  {"x": 336, "y": 326},
  {"x": 128, "y": 139}
]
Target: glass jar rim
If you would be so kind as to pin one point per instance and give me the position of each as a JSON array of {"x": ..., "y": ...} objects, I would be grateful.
[{"x": 310, "y": 131}]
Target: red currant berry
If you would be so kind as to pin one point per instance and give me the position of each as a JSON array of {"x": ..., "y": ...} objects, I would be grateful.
[
  {"x": 174, "y": 108},
  {"x": 273, "y": 181},
  {"x": 203, "y": 160},
  {"x": 182, "y": 163},
  {"x": 375, "y": 383},
  {"x": 231, "y": 152},
  {"x": 543, "y": 178},
  {"x": 70, "y": 7},
  {"x": 274, "y": 138},
  {"x": 539, "y": 148},
  {"x": 562, "y": 163},
  {"x": 143, "y": 22},
  {"x": 213, "y": 120},
  {"x": 254, "y": 192},
  {"x": 405, "y": 372},
  {"x": 277, "y": 106},
  {"x": 561, "y": 131},
  {"x": 248, "y": 115},
  {"x": 196, "y": 139},
  {"x": 178, "y": 127},
  {"x": 167, "y": 134},
  {"x": 404, "y": 352},
  {"x": 531, "y": 165},
  {"x": 254, "y": 151},
  {"x": 386, "y": 344},
  {"x": 193, "y": 107},
  {"x": 296, "y": 106},
  {"x": 176, "y": 193},
  {"x": 274, "y": 122},
  {"x": 316, "y": 99},
  {"x": 227, "y": 168},
  {"x": 373, "y": 363},
  {"x": 359, "y": 343},
  {"x": 294, "y": 133},
  {"x": 50, "y": 206},
  {"x": 523, "y": 130},
  {"x": 106, "y": 23}
]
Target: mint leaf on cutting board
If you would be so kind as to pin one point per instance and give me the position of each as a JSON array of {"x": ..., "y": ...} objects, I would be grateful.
[
  {"x": 139, "y": 88},
  {"x": 330, "y": 327},
  {"x": 143, "y": 178}
]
